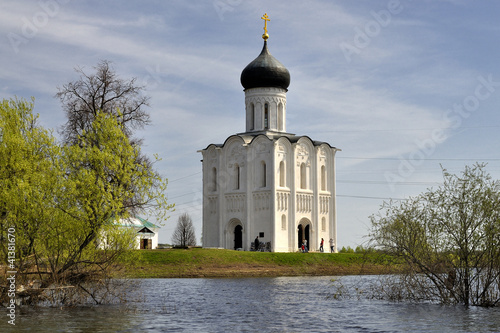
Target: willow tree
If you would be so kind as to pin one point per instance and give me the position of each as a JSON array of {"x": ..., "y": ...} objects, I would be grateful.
[
  {"x": 449, "y": 237},
  {"x": 61, "y": 203}
]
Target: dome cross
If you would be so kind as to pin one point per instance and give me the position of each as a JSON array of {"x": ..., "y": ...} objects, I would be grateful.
[{"x": 266, "y": 19}]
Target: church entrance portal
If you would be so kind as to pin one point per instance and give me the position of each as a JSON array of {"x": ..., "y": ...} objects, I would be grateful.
[
  {"x": 234, "y": 235},
  {"x": 238, "y": 237},
  {"x": 303, "y": 233}
]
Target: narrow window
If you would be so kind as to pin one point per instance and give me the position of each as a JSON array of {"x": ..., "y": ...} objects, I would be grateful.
[
  {"x": 252, "y": 116},
  {"x": 236, "y": 177},
  {"x": 283, "y": 222},
  {"x": 323, "y": 224},
  {"x": 266, "y": 116},
  {"x": 303, "y": 182},
  {"x": 264, "y": 175},
  {"x": 214, "y": 179},
  {"x": 282, "y": 174},
  {"x": 281, "y": 118},
  {"x": 323, "y": 178}
]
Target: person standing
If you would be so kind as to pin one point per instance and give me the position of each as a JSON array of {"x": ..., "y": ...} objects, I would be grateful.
[
  {"x": 321, "y": 245},
  {"x": 305, "y": 246},
  {"x": 332, "y": 244},
  {"x": 256, "y": 243}
]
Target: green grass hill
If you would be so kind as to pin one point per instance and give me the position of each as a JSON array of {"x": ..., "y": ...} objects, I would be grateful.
[{"x": 198, "y": 262}]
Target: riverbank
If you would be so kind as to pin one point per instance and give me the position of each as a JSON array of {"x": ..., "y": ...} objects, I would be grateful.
[{"x": 211, "y": 263}]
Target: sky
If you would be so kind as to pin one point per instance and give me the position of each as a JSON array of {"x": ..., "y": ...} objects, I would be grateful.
[{"x": 404, "y": 88}]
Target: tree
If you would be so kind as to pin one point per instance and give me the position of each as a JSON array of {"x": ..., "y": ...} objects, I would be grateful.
[
  {"x": 184, "y": 232},
  {"x": 104, "y": 92},
  {"x": 449, "y": 238},
  {"x": 59, "y": 200},
  {"x": 30, "y": 172}
]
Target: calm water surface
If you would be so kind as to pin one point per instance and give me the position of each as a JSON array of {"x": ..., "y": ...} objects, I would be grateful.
[{"x": 285, "y": 304}]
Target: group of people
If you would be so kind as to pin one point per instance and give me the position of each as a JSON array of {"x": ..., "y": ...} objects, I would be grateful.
[
  {"x": 321, "y": 249},
  {"x": 304, "y": 245}
]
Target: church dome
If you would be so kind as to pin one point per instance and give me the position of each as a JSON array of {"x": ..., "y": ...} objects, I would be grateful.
[{"x": 265, "y": 71}]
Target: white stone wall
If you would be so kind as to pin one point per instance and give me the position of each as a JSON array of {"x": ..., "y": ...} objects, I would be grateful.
[{"x": 281, "y": 185}]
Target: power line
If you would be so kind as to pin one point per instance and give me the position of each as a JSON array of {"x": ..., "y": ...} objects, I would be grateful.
[
  {"x": 426, "y": 159},
  {"x": 404, "y": 129},
  {"x": 188, "y": 176},
  {"x": 365, "y": 197},
  {"x": 376, "y": 182}
]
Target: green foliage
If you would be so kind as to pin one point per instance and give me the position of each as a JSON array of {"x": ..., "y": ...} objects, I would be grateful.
[
  {"x": 30, "y": 172},
  {"x": 451, "y": 235},
  {"x": 346, "y": 250},
  {"x": 63, "y": 200}
]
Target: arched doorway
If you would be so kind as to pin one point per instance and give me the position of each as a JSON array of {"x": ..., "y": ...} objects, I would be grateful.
[
  {"x": 234, "y": 235},
  {"x": 304, "y": 233},
  {"x": 238, "y": 237}
]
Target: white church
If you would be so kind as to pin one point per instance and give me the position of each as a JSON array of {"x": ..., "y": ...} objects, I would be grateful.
[{"x": 266, "y": 182}]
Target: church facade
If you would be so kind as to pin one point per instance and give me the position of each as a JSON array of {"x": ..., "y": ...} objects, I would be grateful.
[{"x": 266, "y": 182}]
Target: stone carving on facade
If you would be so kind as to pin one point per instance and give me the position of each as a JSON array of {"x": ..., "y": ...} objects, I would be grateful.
[
  {"x": 261, "y": 201},
  {"x": 282, "y": 199},
  {"x": 235, "y": 203},
  {"x": 262, "y": 148},
  {"x": 212, "y": 204},
  {"x": 304, "y": 203},
  {"x": 324, "y": 201},
  {"x": 322, "y": 154}
]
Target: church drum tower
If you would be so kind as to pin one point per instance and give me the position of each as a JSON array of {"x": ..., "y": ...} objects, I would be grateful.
[{"x": 265, "y": 182}]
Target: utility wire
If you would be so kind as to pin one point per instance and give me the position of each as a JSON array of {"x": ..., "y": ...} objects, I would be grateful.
[{"x": 426, "y": 159}]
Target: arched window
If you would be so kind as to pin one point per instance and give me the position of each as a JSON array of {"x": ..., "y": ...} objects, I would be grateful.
[
  {"x": 214, "y": 179},
  {"x": 323, "y": 178},
  {"x": 283, "y": 222},
  {"x": 266, "y": 116},
  {"x": 236, "y": 177},
  {"x": 282, "y": 174},
  {"x": 303, "y": 174}
]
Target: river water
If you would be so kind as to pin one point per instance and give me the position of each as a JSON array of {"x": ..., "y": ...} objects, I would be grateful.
[{"x": 284, "y": 304}]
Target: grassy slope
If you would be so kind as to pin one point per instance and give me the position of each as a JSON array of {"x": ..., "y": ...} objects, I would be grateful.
[{"x": 198, "y": 262}]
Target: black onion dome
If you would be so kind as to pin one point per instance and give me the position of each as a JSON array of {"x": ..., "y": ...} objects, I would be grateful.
[{"x": 265, "y": 71}]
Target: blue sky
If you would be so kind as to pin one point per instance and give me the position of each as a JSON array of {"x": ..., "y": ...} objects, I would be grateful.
[{"x": 401, "y": 87}]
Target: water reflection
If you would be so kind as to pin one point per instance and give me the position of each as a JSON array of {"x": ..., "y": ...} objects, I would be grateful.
[{"x": 286, "y": 304}]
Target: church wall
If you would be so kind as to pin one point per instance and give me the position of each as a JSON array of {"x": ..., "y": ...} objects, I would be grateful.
[
  {"x": 332, "y": 188},
  {"x": 233, "y": 196},
  {"x": 261, "y": 178},
  {"x": 211, "y": 180},
  {"x": 274, "y": 202},
  {"x": 304, "y": 185},
  {"x": 284, "y": 224},
  {"x": 323, "y": 186}
]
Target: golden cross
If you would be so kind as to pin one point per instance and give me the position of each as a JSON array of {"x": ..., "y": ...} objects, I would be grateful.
[{"x": 265, "y": 18}]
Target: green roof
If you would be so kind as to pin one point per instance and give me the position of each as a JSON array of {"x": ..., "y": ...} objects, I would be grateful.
[{"x": 143, "y": 223}]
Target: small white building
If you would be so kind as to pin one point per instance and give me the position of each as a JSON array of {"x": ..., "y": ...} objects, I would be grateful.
[
  {"x": 267, "y": 182},
  {"x": 146, "y": 232}
]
